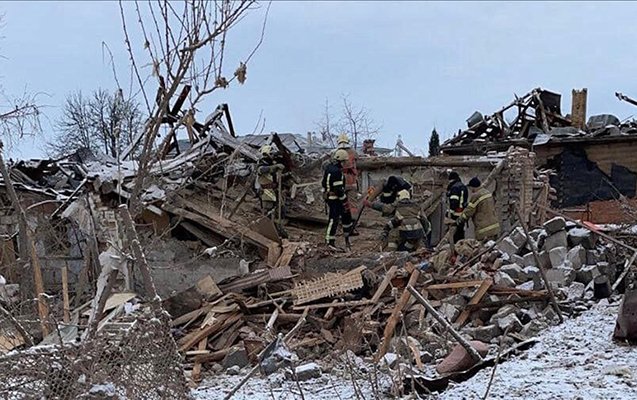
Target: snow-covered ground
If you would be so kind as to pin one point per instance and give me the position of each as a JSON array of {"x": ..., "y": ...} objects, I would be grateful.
[
  {"x": 576, "y": 360},
  {"x": 336, "y": 384}
]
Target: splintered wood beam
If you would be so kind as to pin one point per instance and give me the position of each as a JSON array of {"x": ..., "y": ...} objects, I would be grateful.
[
  {"x": 482, "y": 290},
  {"x": 454, "y": 285},
  {"x": 65, "y": 294},
  {"x": 384, "y": 284},
  {"x": 393, "y": 319},
  {"x": 43, "y": 308}
]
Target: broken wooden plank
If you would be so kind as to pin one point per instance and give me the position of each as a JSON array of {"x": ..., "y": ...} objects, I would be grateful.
[
  {"x": 352, "y": 303},
  {"x": 384, "y": 284},
  {"x": 195, "y": 337},
  {"x": 393, "y": 319},
  {"x": 65, "y": 295},
  {"x": 289, "y": 249},
  {"x": 256, "y": 278},
  {"x": 627, "y": 267},
  {"x": 482, "y": 290},
  {"x": 113, "y": 301},
  {"x": 43, "y": 308},
  {"x": 204, "y": 237},
  {"x": 454, "y": 285},
  {"x": 222, "y": 226}
]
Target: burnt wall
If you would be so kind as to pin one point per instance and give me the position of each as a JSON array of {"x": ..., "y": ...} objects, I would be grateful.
[{"x": 580, "y": 180}]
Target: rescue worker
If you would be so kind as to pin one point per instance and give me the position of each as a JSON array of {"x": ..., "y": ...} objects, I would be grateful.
[
  {"x": 333, "y": 184},
  {"x": 391, "y": 187},
  {"x": 267, "y": 184},
  {"x": 408, "y": 226},
  {"x": 351, "y": 174},
  {"x": 458, "y": 196},
  {"x": 481, "y": 209}
]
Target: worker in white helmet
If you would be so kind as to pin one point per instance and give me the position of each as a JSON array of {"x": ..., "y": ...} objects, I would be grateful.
[{"x": 334, "y": 188}]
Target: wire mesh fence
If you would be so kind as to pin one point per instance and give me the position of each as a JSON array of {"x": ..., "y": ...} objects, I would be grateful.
[{"x": 132, "y": 357}]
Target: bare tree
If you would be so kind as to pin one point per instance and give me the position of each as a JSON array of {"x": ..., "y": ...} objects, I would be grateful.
[
  {"x": 103, "y": 121},
  {"x": 356, "y": 122},
  {"x": 184, "y": 44},
  {"x": 19, "y": 115},
  {"x": 326, "y": 124}
]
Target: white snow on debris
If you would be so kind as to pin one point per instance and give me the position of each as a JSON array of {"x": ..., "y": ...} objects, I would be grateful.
[
  {"x": 277, "y": 387},
  {"x": 576, "y": 360}
]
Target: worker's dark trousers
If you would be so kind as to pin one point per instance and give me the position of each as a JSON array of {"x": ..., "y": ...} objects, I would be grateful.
[
  {"x": 337, "y": 211},
  {"x": 459, "y": 234}
]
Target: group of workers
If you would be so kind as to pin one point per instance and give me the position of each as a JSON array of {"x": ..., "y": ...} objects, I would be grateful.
[{"x": 407, "y": 227}]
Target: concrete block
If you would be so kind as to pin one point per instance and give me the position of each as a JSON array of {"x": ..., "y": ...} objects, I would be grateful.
[
  {"x": 514, "y": 271},
  {"x": 236, "y": 357},
  {"x": 390, "y": 359},
  {"x": 532, "y": 328},
  {"x": 557, "y": 239},
  {"x": 530, "y": 285},
  {"x": 533, "y": 273},
  {"x": 561, "y": 276},
  {"x": 554, "y": 225},
  {"x": 518, "y": 237},
  {"x": 583, "y": 237},
  {"x": 459, "y": 359},
  {"x": 503, "y": 312},
  {"x": 508, "y": 247},
  {"x": 557, "y": 256},
  {"x": 503, "y": 279},
  {"x": 449, "y": 311},
  {"x": 234, "y": 370},
  {"x": 575, "y": 291},
  {"x": 529, "y": 260},
  {"x": 577, "y": 256},
  {"x": 307, "y": 371},
  {"x": 510, "y": 322},
  {"x": 519, "y": 260},
  {"x": 484, "y": 333},
  {"x": 587, "y": 273}
]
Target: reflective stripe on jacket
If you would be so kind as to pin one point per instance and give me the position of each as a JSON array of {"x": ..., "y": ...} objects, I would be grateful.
[{"x": 481, "y": 209}]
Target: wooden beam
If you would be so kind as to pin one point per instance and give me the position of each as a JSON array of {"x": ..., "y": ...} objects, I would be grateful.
[
  {"x": 65, "y": 294},
  {"x": 392, "y": 321},
  {"x": 353, "y": 303},
  {"x": 384, "y": 284},
  {"x": 627, "y": 265},
  {"x": 196, "y": 370},
  {"x": 454, "y": 285},
  {"x": 43, "y": 309},
  {"x": 482, "y": 290}
]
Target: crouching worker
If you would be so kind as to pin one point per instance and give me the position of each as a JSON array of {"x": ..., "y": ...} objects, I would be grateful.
[
  {"x": 481, "y": 209},
  {"x": 408, "y": 227}
]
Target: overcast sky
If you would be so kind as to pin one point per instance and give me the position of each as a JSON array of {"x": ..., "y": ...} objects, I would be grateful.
[{"x": 413, "y": 65}]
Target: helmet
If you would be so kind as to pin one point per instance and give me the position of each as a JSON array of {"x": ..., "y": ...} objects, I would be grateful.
[
  {"x": 265, "y": 150},
  {"x": 404, "y": 194},
  {"x": 474, "y": 182},
  {"x": 453, "y": 176},
  {"x": 343, "y": 139},
  {"x": 340, "y": 155}
]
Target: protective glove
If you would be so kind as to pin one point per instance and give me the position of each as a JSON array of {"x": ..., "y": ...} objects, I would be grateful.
[{"x": 460, "y": 222}]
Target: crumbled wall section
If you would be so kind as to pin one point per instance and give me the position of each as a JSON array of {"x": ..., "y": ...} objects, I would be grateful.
[{"x": 515, "y": 186}]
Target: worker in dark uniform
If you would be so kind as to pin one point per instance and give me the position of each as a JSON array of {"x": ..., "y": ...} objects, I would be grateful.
[
  {"x": 408, "y": 226},
  {"x": 481, "y": 209},
  {"x": 334, "y": 191},
  {"x": 391, "y": 187},
  {"x": 458, "y": 197},
  {"x": 268, "y": 174}
]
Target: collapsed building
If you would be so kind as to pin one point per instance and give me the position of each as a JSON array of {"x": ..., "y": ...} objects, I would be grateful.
[
  {"x": 593, "y": 160},
  {"x": 198, "y": 280}
]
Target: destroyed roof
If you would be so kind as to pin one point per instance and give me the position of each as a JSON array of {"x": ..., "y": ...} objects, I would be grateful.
[{"x": 538, "y": 120}]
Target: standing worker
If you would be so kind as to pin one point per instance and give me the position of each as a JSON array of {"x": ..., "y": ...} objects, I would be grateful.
[
  {"x": 334, "y": 191},
  {"x": 408, "y": 226},
  {"x": 458, "y": 196},
  {"x": 350, "y": 173},
  {"x": 268, "y": 174},
  {"x": 481, "y": 209}
]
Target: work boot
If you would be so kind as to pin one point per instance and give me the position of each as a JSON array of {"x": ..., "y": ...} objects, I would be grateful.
[{"x": 354, "y": 233}]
